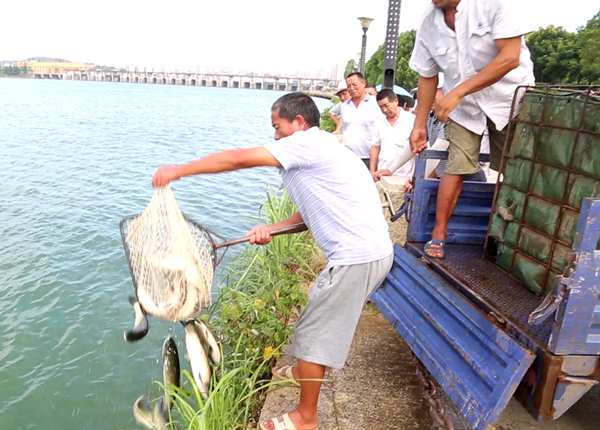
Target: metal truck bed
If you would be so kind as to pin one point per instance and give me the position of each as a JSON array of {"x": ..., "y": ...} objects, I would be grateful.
[{"x": 490, "y": 288}]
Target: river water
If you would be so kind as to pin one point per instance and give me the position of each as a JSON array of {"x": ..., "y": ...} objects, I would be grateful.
[{"x": 75, "y": 158}]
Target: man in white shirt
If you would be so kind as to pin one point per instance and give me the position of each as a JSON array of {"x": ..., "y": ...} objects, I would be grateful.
[
  {"x": 390, "y": 137},
  {"x": 335, "y": 112},
  {"x": 340, "y": 205},
  {"x": 359, "y": 115},
  {"x": 480, "y": 48}
]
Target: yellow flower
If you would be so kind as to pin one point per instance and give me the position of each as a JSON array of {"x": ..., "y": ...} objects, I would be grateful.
[
  {"x": 276, "y": 294},
  {"x": 268, "y": 353},
  {"x": 259, "y": 304}
]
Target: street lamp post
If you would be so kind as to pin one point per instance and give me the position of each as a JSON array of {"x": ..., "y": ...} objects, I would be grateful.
[{"x": 364, "y": 23}]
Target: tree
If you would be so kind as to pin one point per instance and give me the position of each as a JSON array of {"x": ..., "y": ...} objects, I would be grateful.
[
  {"x": 350, "y": 68},
  {"x": 555, "y": 55},
  {"x": 405, "y": 77},
  {"x": 589, "y": 43}
]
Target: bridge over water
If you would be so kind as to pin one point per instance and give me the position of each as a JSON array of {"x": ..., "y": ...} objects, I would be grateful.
[{"x": 280, "y": 83}]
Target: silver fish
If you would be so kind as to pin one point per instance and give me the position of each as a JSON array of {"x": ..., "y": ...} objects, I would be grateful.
[
  {"x": 156, "y": 418},
  {"x": 140, "y": 326},
  {"x": 209, "y": 341},
  {"x": 171, "y": 370},
  {"x": 201, "y": 370}
]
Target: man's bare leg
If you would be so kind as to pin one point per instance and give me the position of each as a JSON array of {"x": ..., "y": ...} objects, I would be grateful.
[
  {"x": 304, "y": 416},
  {"x": 448, "y": 192}
]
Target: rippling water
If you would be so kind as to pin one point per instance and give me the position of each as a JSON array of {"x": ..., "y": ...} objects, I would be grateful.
[{"x": 75, "y": 158}]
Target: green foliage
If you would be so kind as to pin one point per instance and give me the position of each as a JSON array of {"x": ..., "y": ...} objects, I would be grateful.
[
  {"x": 232, "y": 401},
  {"x": 405, "y": 77},
  {"x": 263, "y": 285},
  {"x": 327, "y": 123},
  {"x": 563, "y": 57},
  {"x": 12, "y": 70},
  {"x": 351, "y": 67},
  {"x": 589, "y": 43},
  {"x": 555, "y": 55}
]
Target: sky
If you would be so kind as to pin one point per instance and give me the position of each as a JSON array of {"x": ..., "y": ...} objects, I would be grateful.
[{"x": 264, "y": 36}]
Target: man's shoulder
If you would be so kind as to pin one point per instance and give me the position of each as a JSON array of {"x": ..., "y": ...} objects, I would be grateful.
[{"x": 428, "y": 17}]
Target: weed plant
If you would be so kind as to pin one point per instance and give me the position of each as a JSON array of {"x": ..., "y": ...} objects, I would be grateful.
[{"x": 252, "y": 318}]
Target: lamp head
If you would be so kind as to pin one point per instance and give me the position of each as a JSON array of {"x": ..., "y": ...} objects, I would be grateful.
[{"x": 365, "y": 22}]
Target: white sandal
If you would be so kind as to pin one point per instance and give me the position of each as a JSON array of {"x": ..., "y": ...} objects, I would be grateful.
[{"x": 285, "y": 373}]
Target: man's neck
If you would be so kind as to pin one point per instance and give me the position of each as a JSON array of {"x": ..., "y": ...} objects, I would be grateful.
[
  {"x": 357, "y": 100},
  {"x": 450, "y": 13},
  {"x": 393, "y": 119}
]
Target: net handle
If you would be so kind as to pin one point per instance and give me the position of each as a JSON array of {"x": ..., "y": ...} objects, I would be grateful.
[{"x": 294, "y": 228}]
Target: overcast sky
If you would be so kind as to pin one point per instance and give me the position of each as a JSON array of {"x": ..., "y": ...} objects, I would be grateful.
[{"x": 261, "y": 35}]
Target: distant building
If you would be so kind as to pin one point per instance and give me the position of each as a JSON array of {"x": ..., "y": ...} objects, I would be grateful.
[{"x": 52, "y": 67}]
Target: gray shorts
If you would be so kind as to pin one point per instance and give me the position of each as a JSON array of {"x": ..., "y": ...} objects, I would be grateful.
[{"x": 326, "y": 327}]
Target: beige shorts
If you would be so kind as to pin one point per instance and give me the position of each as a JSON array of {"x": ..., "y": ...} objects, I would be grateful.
[{"x": 463, "y": 152}]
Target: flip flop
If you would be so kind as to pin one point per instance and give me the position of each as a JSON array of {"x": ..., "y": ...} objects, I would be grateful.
[
  {"x": 284, "y": 373},
  {"x": 435, "y": 245},
  {"x": 281, "y": 423}
]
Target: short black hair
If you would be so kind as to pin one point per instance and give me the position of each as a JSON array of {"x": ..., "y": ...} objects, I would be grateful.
[
  {"x": 291, "y": 105},
  {"x": 386, "y": 93},
  {"x": 358, "y": 75}
]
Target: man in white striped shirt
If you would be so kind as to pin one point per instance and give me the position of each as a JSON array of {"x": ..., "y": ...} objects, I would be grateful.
[{"x": 340, "y": 205}]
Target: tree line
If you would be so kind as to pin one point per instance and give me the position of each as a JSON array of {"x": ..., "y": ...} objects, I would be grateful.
[
  {"x": 559, "y": 57},
  {"x": 13, "y": 70}
]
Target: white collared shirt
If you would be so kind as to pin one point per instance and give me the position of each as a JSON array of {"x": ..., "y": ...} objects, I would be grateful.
[
  {"x": 358, "y": 123},
  {"x": 393, "y": 139},
  {"x": 462, "y": 54}
]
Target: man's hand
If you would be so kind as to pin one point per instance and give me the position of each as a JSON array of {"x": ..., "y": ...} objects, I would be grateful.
[
  {"x": 446, "y": 104},
  {"x": 381, "y": 172},
  {"x": 418, "y": 140},
  {"x": 259, "y": 235},
  {"x": 166, "y": 174}
]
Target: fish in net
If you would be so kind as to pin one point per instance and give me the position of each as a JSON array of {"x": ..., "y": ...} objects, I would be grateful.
[{"x": 171, "y": 259}]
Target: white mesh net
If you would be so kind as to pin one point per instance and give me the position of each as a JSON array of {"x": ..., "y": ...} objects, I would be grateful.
[{"x": 171, "y": 259}]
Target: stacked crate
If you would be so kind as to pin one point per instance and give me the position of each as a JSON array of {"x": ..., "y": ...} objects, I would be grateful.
[{"x": 550, "y": 163}]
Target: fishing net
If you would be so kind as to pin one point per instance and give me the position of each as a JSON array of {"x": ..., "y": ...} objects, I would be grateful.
[{"x": 171, "y": 259}]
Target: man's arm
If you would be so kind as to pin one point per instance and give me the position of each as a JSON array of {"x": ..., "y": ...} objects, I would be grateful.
[
  {"x": 508, "y": 58},
  {"x": 374, "y": 158},
  {"x": 337, "y": 121},
  {"x": 425, "y": 96},
  {"x": 215, "y": 163},
  {"x": 261, "y": 234}
]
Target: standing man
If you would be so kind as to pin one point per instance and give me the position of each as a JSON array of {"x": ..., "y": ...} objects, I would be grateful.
[
  {"x": 480, "y": 48},
  {"x": 340, "y": 205},
  {"x": 358, "y": 117},
  {"x": 390, "y": 137},
  {"x": 335, "y": 112}
]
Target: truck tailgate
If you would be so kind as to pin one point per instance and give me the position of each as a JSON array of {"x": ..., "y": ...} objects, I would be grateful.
[{"x": 474, "y": 361}]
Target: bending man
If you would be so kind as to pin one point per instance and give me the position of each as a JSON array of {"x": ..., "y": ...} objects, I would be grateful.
[{"x": 339, "y": 203}]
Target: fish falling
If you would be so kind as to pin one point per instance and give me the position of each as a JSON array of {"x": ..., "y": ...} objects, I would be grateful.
[
  {"x": 201, "y": 370},
  {"x": 202, "y": 350},
  {"x": 157, "y": 416}
]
